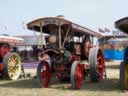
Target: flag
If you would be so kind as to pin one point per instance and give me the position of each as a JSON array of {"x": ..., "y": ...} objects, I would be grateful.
[
  {"x": 106, "y": 30},
  {"x": 101, "y": 30}
]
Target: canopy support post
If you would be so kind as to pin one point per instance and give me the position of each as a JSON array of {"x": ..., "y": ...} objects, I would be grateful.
[
  {"x": 41, "y": 34},
  {"x": 60, "y": 37},
  {"x": 66, "y": 36},
  {"x": 92, "y": 40},
  {"x": 35, "y": 39}
]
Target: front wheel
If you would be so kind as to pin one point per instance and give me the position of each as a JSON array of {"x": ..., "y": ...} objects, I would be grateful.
[
  {"x": 76, "y": 75},
  {"x": 44, "y": 73}
]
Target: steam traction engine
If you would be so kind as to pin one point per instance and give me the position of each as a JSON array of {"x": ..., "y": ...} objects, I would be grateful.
[
  {"x": 69, "y": 53},
  {"x": 122, "y": 25},
  {"x": 10, "y": 64}
]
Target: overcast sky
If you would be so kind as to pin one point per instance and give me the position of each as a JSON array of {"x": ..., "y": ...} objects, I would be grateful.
[{"x": 93, "y": 14}]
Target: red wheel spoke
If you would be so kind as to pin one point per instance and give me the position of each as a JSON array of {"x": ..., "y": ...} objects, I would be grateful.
[
  {"x": 100, "y": 75},
  {"x": 99, "y": 58},
  {"x": 79, "y": 76},
  {"x": 100, "y": 66},
  {"x": 45, "y": 75}
]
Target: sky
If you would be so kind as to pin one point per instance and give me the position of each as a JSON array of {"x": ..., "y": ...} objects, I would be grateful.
[{"x": 93, "y": 14}]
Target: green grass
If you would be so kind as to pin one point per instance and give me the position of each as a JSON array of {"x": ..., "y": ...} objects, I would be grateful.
[{"x": 30, "y": 87}]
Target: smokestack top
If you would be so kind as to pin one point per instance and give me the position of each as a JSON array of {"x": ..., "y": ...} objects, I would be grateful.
[{"x": 60, "y": 16}]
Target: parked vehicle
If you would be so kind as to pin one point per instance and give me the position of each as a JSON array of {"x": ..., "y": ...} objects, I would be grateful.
[
  {"x": 10, "y": 64},
  {"x": 122, "y": 25},
  {"x": 69, "y": 53}
]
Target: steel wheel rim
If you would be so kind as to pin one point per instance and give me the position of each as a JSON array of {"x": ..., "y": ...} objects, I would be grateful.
[
  {"x": 78, "y": 76},
  {"x": 100, "y": 65},
  {"x": 126, "y": 76},
  {"x": 14, "y": 66},
  {"x": 45, "y": 75}
]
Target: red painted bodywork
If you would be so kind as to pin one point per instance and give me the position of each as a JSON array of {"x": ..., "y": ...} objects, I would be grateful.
[
  {"x": 1, "y": 67},
  {"x": 3, "y": 52}
]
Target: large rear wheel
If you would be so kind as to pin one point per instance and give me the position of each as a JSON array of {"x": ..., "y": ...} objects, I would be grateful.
[
  {"x": 86, "y": 45},
  {"x": 11, "y": 66},
  {"x": 123, "y": 76},
  {"x": 76, "y": 75},
  {"x": 44, "y": 73},
  {"x": 97, "y": 64}
]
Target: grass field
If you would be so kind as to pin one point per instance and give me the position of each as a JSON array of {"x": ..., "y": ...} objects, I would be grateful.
[{"x": 29, "y": 87}]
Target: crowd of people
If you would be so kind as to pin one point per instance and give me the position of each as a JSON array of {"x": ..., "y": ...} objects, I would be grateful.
[{"x": 30, "y": 55}]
